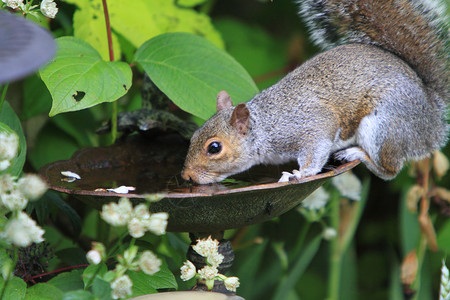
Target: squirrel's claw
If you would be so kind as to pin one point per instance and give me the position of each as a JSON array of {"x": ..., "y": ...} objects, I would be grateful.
[{"x": 286, "y": 176}]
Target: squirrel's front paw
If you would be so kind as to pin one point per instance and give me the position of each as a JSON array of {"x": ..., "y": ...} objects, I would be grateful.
[{"x": 286, "y": 176}]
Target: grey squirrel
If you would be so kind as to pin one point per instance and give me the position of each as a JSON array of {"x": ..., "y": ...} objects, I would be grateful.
[{"x": 378, "y": 93}]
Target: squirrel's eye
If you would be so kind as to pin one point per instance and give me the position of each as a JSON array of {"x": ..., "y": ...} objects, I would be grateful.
[{"x": 214, "y": 148}]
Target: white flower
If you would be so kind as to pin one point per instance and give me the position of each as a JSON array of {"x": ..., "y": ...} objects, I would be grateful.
[
  {"x": 141, "y": 212},
  {"x": 13, "y": 3},
  {"x": 9, "y": 142},
  {"x": 121, "y": 287},
  {"x": 94, "y": 257},
  {"x": 188, "y": 270},
  {"x": 348, "y": 185},
  {"x": 231, "y": 283},
  {"x": 136, "y": 228},
  {"x": 149, "y": 262},
  {"x": 206, "y": 247},
  {"x": 6, "y": 184},
  {"x": 158, "y": 223},
  {"x": 117, "y": 214},
  {"x": 22, "y": 231},
  {"x": 444, "y": 293},
  {"x": 49, "y": 9},
  {"x": 329, "y": 233},
  {"x": 214, "y": 259},
  {"x": 32, "y": 186},
  {"x": 4, "y": 164},
  {"x": 14, "y": 200},
  {"x": 208, "y": 272},
  {"x": 316, "y": 200}
]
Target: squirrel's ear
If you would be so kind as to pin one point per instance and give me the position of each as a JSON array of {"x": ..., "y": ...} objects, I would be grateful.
[
  {"x": 239, "y": 119},
  {"x": 223, "y": 101}
]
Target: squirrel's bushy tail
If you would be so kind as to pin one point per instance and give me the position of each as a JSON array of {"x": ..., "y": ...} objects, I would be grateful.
[{"x": 416, "y": 31}]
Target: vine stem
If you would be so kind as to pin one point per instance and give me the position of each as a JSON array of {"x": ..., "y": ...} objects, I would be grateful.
[{"x": 111, "y": 58}]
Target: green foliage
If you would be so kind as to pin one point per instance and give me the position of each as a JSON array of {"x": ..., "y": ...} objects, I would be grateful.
[
  {"x": 9, "y": 118},
  {"x": 15, "y": 289},
  {"x": 138, "y": 21},
  {"x": 190, "y": 70},
  {"x": 78, "y": 78},
  {"x": 180, "y": 45}
]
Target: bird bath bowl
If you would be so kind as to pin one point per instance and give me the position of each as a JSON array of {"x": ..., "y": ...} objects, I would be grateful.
[{"x": 153, "y": 165}]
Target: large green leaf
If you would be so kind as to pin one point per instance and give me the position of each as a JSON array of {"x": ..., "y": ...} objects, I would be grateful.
[
  {"x": 9, "y": 117},
  {"x": 191, "y": 71},
  {"x": 68, "y": 281},
  {"x": 43, "y": 291},
  {"x": 15, "y": 288},
  {"x": 78, "y": 78},
  {"x": 78, "y": 295},
  {"x": 138, "y": 21},
  {"x": 89, "y": 25},
  {"x": 147, "y": 284}
]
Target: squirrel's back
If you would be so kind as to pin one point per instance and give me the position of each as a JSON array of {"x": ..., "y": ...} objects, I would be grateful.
[{"x": 416, "y": 31}]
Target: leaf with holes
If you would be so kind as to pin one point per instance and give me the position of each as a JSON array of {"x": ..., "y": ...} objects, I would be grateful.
[{"x": 78, "y": 78}]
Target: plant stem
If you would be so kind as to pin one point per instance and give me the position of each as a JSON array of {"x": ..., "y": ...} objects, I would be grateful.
[
  {"x": 111, "y": 58},
  {"x": 335, "y": 251},
  {"x": 3, "y": 96}
]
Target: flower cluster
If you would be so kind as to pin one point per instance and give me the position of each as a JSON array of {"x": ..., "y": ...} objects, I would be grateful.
[
  {"x": 20, "y": 230},
  {"x": 48, "y": 7},
  {"x": 138, "y": 219},
  {"x": 132, "y": 260},
  {"x": 209, "y": 249},
  {"x": 148, "y": 262},
  {"x": 9, "y": 144}
]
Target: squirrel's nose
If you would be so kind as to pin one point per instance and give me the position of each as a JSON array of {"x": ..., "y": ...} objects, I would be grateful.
[{"x": 185, "y": 174}]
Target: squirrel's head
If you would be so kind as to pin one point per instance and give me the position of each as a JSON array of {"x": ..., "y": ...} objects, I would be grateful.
[{"x": 217, "y": 149}]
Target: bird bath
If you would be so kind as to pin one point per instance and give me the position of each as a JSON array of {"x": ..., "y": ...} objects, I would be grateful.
[{"x": 153, "y": 165}]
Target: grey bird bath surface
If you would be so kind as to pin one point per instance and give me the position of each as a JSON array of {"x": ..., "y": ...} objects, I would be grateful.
[{"x": 153, "y": 165}]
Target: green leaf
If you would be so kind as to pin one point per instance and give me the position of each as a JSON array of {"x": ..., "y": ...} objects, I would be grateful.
[
  {"x": 191, "y": 72},
  {"x": 78, "y": 78},
  {"x": 78, "y": 295},
  {"x": 93, "y": 270},
  {"x": 51, "y": 145},
  {"x": 148, "y": 284},
  {"x": 89, "y": 25},
  {"x": 190, "y": 2},
  {"x": 259, "y": 55},
  {"x": 298, "y": 268},
  {"x": 73, "y": 256},
  {"x": 145, "y": 20},
  {"x": 9, "y": 117},
  {"x": 15, "y": 289},
  {"x": 66, "y": 209},
  {"x": 409, "y": 225},
  {"x": 36, "y": 98},
  {"x": 101, "y": 289},
  {"x": 74, "y": 124},
  {"x": 43, "y": 291},
  {"x": 443, "y": 237},
  {"x": 148, "y": 19},
  {"x": 68, "y": 281}
]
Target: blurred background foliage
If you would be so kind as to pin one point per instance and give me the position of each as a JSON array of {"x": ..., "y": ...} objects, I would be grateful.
[{"x": 268, "y": 39}]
